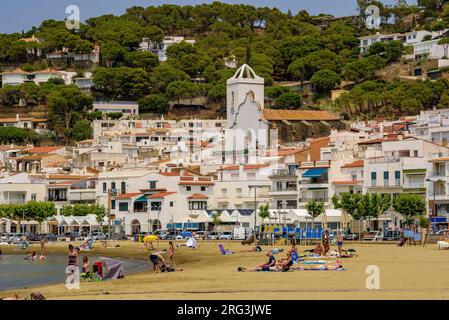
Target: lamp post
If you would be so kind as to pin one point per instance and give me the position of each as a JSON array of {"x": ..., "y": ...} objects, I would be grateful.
[{"x": 255, "y": 187}]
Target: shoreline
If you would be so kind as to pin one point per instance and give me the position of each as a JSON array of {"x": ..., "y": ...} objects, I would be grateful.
[{"x": 209, "y": 275}]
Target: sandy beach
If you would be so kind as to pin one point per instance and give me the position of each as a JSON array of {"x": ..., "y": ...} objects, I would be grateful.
[{"x": 405, "y": 273}]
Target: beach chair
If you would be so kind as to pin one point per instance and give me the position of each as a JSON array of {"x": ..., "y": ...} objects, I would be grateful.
[{"x": 224, "y": 251}]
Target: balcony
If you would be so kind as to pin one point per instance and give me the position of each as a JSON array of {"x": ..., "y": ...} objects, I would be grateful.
[
  {"x": 283, "y": 173},
  {"x": 439, "y": 173},
  {"x": 82, "y": 195},
  {"x": 317, "y": 199}
]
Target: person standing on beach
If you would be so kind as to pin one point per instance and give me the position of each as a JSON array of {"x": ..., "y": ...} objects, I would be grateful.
[
  {"x": 171, "y": 252},
  {"x": 339, "y": 242}
]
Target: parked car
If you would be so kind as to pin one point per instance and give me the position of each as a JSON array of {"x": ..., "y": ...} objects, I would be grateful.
[
  {"x": 351, "y": 236},
  {"x": 15, "y": 237},
  {"x": 179, "y": 237},
  {"x": 214, "y": 235},
  {"x": 162, "y": 234},
  {"x": 372, "y": 235},
  {"x": 227, "y": 235},
  {"x": 67, "y": 235},
  {"x": 49, "y": 236},
  {"x": 442, "y": 232},
  {"x": 98, "y": 235},
  {"x": 391, "y": 235},
  {"x": 201, "y": 235},
  {"x": 4, "y": 237}
]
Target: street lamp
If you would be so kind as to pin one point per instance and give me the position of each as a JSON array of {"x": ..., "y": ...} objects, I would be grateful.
[{"x": 255, "y": 207}]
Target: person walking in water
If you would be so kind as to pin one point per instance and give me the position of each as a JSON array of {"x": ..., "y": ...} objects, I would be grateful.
[{"x": 72, "y": 269}]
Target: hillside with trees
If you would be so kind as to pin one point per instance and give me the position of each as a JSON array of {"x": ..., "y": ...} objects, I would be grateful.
[{"x": 322, "y": 51}]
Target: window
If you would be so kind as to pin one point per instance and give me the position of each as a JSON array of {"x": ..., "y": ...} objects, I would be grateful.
[
  {"x": 123, "y": 206},
  {"x": 279, "y": 186},
  {"x": 153, "y": 184},
  {"x": 203, "y": 188},
  {"x": 155, "y": 206},
  {"x": 171, "y": 203},
  {"x": 373, "y": 179},
  {"x": 224, "y": 192},
  {"x": 415, "y": 153},
  {"x": 33, "y": 196},
  {"x": 397, "y": 178},
  {"x": 386, "y": 178},
  {"x": 239, "y": 192},
  {"x": 123, "y": 187},
  {"x": 251, "y": 175},
  {"x": 113, "y": 204},
  {"x": 113, "y": 185},
  {"x": 188, "y": 188},
  {"x": 105, "y": 187}
]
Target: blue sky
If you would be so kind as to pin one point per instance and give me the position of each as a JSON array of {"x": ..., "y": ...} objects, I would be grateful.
[{"x": 18, "y": 15}]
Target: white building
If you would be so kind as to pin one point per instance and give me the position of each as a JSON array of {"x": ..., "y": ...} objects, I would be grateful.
[
  {"x": 18, "y": 76},
  {"x": 367, "y": 41},
  {"x": 128, "y": 108},
  {"x": 160, "y": 49}
]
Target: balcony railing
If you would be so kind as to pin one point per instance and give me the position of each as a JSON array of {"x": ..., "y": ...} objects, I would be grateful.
[
  {"x": 439, "y": 173},
  {"x": 285, "y": 189},
  {"x": 56, "y": 199},
  {"x": 317, "y": 199},
  {"x": 283, "y": 173}
]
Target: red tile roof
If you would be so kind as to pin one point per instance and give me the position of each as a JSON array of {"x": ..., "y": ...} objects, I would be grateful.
[
  {"x": 198, "y": 196},
  {"x": 355, "y": 164},
  {"x": 196, "y": 183},
  {"x": 160, "y": 195},
  {"x": 128, "y": 195},
  {"x": 298, "y": 115},
  {"x": 170, "y": 174},
  {"x": 44, "y": 149},
  {"x": 255, "y": 166},
  {"x": 353, "y": 182},
  {"x": 230, "y": 168}
]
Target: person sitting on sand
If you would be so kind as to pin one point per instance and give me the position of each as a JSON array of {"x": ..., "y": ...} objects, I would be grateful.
[
  {"x": 85, "y": 272},
  {"x": 284, "y": 264},
  {"x": 271, "y": 263}
]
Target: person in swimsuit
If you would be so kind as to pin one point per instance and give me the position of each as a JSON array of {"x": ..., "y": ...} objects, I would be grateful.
[
  {"x": 339, "y": 242},
  {"x": 157, "y": 260},
  {"x": 264, "y": 267},
  {"x": 325, "y": 242},
  {"x": 171, "y": 252}
]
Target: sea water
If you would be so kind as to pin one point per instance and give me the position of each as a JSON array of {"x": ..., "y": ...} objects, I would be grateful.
[{"x": 17, "y": 273}]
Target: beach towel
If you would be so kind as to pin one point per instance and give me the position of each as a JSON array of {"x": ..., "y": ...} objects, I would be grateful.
[
  {"x": 224, "y": 251},
  {"x": 313, "y": 262},
  {"x": 341, "y": 269}
]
